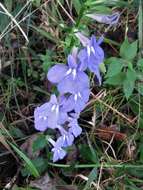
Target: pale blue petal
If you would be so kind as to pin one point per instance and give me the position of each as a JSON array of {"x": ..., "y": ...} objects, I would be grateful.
[
  {"x": 58, "y": 154},
  {"x": 68, "y": 139},
  {"x": 68, "y": 104},
  {"x": 53, "y": 99},
  {"x": 41, "y": 117},
  {"x": 66, "y": 85},
  {"x": 82, "y": 56},
  {"x": 75, "y": 129},
  {"x": 57, "y": 73},
  {"x": 63, "y": 117},
  {"x": 82, "y": 81},
  {"x": 71, "y": 62}
]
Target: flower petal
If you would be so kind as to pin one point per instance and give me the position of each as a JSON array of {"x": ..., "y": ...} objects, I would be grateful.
[
  {"x": 41, "y": 116},
  {"x": 63, "y": 117},
  {"x": 82, "y": 81},
  {"x": 58, "y": 154},
  {"x": 82, "y": 55},
  {"x": 75, "y": 129},
  {"x": 83, "y": 39},
  {"x": 68, "y": 104},
  {"x": 68, "y": 139},
  {"x": 57, "y": 73},
  {"x": 53, "y": 99},
  {"x": 66, "y": 85},
  {"x": 106, "y": 19},
  {"x": 71, "y": 62},
  {"x": 79, "y": 105}
]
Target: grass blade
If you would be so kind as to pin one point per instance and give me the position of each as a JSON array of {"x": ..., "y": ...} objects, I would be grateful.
[{"x": 28, "y": 162}]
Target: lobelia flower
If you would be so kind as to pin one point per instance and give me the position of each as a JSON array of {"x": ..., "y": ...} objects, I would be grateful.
[
  {"x": 49, "y": 115},
  {"x": 67, "y": 138},
  {"x": 69, "y": 77},
  {"x": 75, "y": 129},
  {"x": 105, "y": 19},
  {"x": 92, "y": 54},
  {"x": 58, "y": 152},
  {"x": 73, "y": 125},
  {"x": 76, "y": 101}
]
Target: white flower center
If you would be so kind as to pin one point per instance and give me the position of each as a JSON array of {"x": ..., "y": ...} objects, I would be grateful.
[
  {"x": 42, "y": 117},
  {"x": 69, "y": 71},
  {"x": 55, "y": 108},
  {"x": 89, "y": 50},
  {"x": 79, "y": 94},
  {"x": 74, "y": 73},
  {"x": 75, "y": 97},
  {"x": 92, "y": 49}
]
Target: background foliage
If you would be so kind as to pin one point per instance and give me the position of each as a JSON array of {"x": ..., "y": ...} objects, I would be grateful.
[{"x": 109, "y": 153}]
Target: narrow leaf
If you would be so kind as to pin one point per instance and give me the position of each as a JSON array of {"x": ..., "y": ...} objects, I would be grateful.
[{"x": 28, "y": 162}]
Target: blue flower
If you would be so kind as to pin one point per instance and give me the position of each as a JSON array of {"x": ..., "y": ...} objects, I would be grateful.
[
  {"x": 49, "y": 115},
  {"x": 92, "y": 54},
  {"x": 69, "y": 77},
  {"x": 75, "y": 129},
  {"x": 58, "y": 152},
  {"x": 76, "y": 101},
  {"x": 67, "y": 138},
  {"x": 106, "y": 19}
]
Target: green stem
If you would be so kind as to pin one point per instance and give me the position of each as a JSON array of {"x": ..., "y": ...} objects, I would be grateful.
[
  {"x": 97, "y": 166},
  {"x": 81, "y": 12}
]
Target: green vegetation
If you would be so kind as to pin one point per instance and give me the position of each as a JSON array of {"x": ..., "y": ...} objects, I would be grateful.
[{"x": 108, "y": 155}]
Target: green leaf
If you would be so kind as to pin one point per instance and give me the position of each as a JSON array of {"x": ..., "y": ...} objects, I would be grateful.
[
  {"x": 125, "y": 45},
  {"x": 92, "y": 176},
  {"x": 8, "y": 5},
  {"x": 40, "y": 163},
  {"x": 39, "y": 143},
  {"x": 36, "y": 3},
  {"x": 129, "y": 83},
  {"x": 88, "y": 154},
  {"x": 128, "y": 51},
  {"x": 102, "y": 68},
  {"x": 137, "y": 109},
  {"x": 47, "y": 61},
  {"x": 28, "y": 162},
  {"x": 115, "y": 66},
  {"x": 77, "y": 5},
  {"x": 140, "y": 88},
  {"x": 140, "y": 63},
  {"x": 101, "y": 9},
  {"x": 116, "y": 79}
]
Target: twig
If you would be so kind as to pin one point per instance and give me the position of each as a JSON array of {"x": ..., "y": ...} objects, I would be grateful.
[
  {"x": 113, "y": 109},
  {"x": 66, "y": 12},
  {"x": 13, "y": 19}
]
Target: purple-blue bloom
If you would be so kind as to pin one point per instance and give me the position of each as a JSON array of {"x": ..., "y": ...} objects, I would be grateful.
[
  {"x": 69, "y": 77},
  {"x": 74, "y": 91},
  {"x": 75, "y": 129},
  {"x": 67, "y": 138},
  {"x": 58, "y": 152},
  {"x": 49, "y": 115},
  {"x": 76, "y": 101},
  {"x": 92, "y": 54},
  {"x": 106, "y": 19}
]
